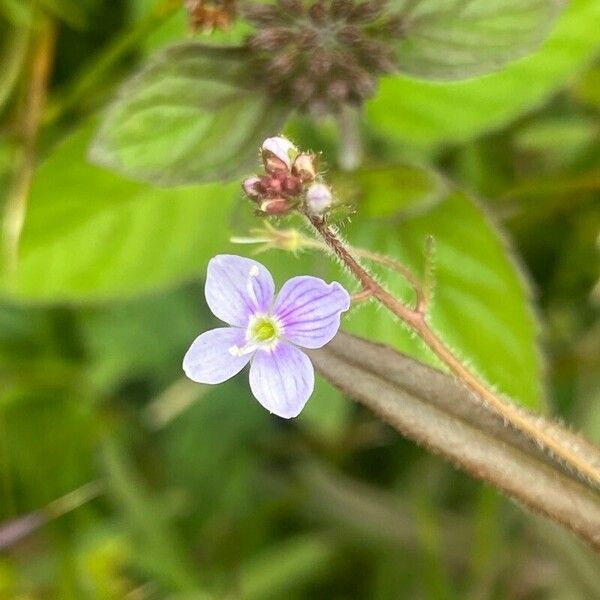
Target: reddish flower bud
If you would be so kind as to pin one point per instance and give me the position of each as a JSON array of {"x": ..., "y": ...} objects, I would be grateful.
[
  {"x": 252, "y": 187},
  {"x": 338, "y": 90},
  {"x": 304, "y": 167},
  {"x": 318, "y": 12},
  {"x": 271, "y": 185},
  {"x": 323, "y": 54},
  {"x": 269, "y": 39},
  {"x": 279, "y": 184},
  {"x": 292, "y": 186},
  {"x": 206, "y": 17},
  {"x": 275, "y": 206},
  {"x": 320, "y": 63}
]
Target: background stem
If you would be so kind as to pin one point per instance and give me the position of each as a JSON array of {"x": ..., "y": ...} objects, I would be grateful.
[
  {"x": 350, "y": 151},
  {"x": 30, "y": 118}
]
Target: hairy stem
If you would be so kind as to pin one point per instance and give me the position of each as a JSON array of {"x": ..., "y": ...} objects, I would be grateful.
[
  {"x": 386, "y": 261},
  {"x": 416, "y": 320}
]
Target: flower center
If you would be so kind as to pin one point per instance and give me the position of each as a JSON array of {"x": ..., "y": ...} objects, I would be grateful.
[
  {"x": 264, "y": 329},
  {"x": 263, "y": 332}
]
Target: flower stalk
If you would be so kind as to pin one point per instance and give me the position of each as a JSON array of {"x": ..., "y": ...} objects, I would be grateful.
[
  {"x": 304, "y": 197},
  {"x": 416, "y": 319},
  {"x": 292, "y": 240}
]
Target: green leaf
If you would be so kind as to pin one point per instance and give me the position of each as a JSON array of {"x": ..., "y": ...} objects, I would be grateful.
[
  {"x": 162, "y": 556},
  {"x": 191, "y": 116},
  {"x": 588, "y": 90},
  {"x": 530, "y": 458},
  {"x": 74, "y": 12},
  {"x": 67, "y": 454},
  {"x": 416, "y": 190},
  {"x": 91, "y": 235},
  {"x": 427, "y": 113},
  {"x": 285, "y": 566},
  {"x": 220, "y": 477},
  {"x": 558, "y": 141},
  {"x": 328, "y": 413},
  {"x": 453, "y": 39},
  {"x": 481, "y": 305},
  {"x": 16, "y": 12},
  {"x": 115, "y": 333}
]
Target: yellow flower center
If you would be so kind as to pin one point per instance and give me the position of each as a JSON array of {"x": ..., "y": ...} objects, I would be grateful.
[{"x": 264, "y": 329}]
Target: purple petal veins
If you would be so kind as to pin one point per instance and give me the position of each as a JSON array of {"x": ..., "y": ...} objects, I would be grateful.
[
  {"x": 237, "y": 288},
  {"x": 282, "y": 379},
  {"x": 309, "y": 310}
]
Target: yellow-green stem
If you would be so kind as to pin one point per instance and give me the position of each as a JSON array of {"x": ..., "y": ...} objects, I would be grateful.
[{"x": 18, "y": 192}]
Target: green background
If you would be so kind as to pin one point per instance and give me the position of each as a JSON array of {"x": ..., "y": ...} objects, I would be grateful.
[{"x": 200, "y": 493}]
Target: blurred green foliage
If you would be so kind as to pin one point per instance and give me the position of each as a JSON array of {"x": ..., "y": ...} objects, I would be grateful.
[
  {"x": 203, "y": 494},
  {"x": 430, "y": 114}
]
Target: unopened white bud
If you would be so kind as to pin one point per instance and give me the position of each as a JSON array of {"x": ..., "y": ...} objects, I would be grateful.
[
  {"x": 278, "y": 153},
  {"x": 318, "y": 199}
]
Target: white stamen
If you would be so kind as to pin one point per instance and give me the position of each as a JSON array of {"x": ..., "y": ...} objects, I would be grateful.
[
  {"x": 247, "y": 349},
  {"x": 254, "y": 272}
]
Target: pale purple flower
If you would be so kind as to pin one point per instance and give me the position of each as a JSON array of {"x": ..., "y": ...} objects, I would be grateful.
[{"x": 265, "y": 331}]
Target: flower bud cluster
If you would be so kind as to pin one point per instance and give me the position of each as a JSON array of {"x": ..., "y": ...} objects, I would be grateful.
[
  {"x": 208, "y": 15},
  {"x": 321, "y": 55},
  {"x": 290, "y": 182}
]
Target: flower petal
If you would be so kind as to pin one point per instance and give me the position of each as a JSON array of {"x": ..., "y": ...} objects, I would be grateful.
[
  {"x": 282, "y": 379},
  {"x": 209, "y": 359},
  {"x": 237, "y": 288},
  {"x": 281, "y": 148},
  {"x": 318, "y": 198},
  {"x": 309, "y": 310}
]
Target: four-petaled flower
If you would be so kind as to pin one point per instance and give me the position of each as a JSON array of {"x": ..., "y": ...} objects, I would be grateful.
[{"x": 265, "y": 331}]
